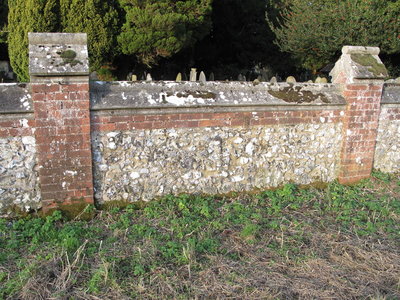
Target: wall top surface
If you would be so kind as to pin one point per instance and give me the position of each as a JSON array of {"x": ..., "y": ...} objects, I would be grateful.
[
  {"x": 359, "y": 63},
  {"x": 115, "y": 95},
  {"x": 391, "y": 93},
  {"x": 58, "y": 54},
  {"x": 15, "y": 98}
]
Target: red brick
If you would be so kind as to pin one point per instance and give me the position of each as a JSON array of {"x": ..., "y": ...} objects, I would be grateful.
[
  {"x": 213, "y": 123},
  {"x": 139, "y": 118},
  {"x": 190, "y": 116},
  {"x": 61, "y": 96},
  {"x": 44, "y": 88},
  {"x": 238, "y": 122},
  {"x": 143, "y": 125},
  {"x": 357, "y": 87},
  {"x": 122, "y": 126},
  {"x": 116, "y": 119}
]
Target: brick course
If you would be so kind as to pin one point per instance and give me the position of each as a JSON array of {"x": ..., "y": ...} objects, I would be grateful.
[{"x": 190, "y": 120}]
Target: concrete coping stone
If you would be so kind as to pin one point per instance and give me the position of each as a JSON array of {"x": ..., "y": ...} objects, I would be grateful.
[
  {"x": 58, "y": 54},
  {"x": 360, "y": 50},
  {"x": 15, "y": 98},
  {"x": 391, "y": 93},
  {"x": 168, "y": 94}
]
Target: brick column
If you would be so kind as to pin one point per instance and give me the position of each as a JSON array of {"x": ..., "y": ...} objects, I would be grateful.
[
  {"x": 60, "y": 93},
  {"x": 361, "y": 75}
]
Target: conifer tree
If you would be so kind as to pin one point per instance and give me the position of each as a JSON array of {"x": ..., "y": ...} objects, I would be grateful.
[
  {"x": 99, "y": 19},
  {"x": 314, "y": 31},
  {"x": 161, "y": 28},
  {"x": 3, "y": 21},
  {"x": 28, "y": 16}
]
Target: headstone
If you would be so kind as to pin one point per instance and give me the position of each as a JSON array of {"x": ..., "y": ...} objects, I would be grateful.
[
  {"x": 93, "y": 76},
  {"x": 256, "y": 81},
  {"x": 291, "y": 79},
  {"x": 134, "y": 77},
  {"x": 202, "y": 77},
  {"x": 148, "y": 77},
  {"x": 321, "y": 80},
  {"x": 4, "y": 66},
  {"x": 193, "y": 74},
  {"x": 273, "y": 80},
  {"x": 212, "y": 77},
  {"x": 178, "y": 77},
  {"x": 397, "y": 80},
  {"x": 264, "y": 77}
]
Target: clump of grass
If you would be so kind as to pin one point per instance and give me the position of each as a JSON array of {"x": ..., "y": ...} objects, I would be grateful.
[{"x": 340, "y": 242}]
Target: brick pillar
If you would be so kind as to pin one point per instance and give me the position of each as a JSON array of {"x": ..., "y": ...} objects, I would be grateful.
[
  {"x": 361, "y": 75},
  {"x": 59, "y": 72}
]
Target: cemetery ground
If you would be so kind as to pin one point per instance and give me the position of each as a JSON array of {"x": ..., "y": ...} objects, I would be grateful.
[{"x": 327, "y": 242}]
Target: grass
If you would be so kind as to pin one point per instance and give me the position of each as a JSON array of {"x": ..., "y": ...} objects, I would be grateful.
[{"x": 341, "y": 242}]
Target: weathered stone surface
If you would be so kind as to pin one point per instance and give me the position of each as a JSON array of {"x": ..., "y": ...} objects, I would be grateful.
[
  {"x": 124, "y": 95},
  {"x": 387, "y": 153},
  {"x": 321, "y": 80},
  {"x": 15, "y": 98},
  {"x": 193, "y": 74},
  {"x": 391, "y": 93},
  {"x": 19, "y": 181},
  {"x": 291, "y": 79},
  {"x": 202, "y": 77},
  {"x": 58, "y": 54},
  {"x": 359, "y": 63},
  {"x": 143, "y": 164}
]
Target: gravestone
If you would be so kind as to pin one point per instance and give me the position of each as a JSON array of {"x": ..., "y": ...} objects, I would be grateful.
[
  {"x": 202, "y": 77},
  {"x": 193, "y": 74},
  {"x": 291, "y": 79}
]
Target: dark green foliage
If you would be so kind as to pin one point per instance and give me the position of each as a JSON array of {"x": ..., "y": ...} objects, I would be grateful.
[
  {"x": 3, "y": 20},
  {"x": 157, "y": 29},
  {"x": 99, "y": 19},
  {"x": 314, "y": 31},
  {"x": 28, "y": 16},
  {"x": 240, "y": 39}
]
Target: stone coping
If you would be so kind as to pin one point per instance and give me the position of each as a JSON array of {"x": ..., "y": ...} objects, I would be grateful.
[
  {"x": 58, "y": 54},
  {"x": 391, "y": 93},
  {"x": 15, "y": 98},
  {"x": 121, "y": 95}
]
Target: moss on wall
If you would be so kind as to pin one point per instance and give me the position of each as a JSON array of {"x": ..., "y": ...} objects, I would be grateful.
[{"x": 372, "y": 65}]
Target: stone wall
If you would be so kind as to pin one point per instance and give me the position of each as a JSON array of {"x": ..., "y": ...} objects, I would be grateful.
[
  {"x": 67, "y": 141},
  {"x": 387, "y": 153},
  {"x": 153, "y": 139},
  {"x": 19, "y": 182},
  {"x": 145, "y": 163}
]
